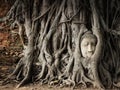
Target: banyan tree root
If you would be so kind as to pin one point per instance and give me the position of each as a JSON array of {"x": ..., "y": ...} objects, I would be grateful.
[{"x": 21, "y": 73}]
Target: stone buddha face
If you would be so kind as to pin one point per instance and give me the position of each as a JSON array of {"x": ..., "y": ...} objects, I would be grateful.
[{"x": 88, "y": 44}]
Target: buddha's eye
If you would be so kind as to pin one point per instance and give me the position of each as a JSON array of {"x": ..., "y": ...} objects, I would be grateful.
[
  {"x": 86, "y": 44},
  {"x": 93, "y": 43}
]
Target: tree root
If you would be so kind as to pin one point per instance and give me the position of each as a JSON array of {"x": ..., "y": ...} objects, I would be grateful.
[
  {"x": 44, "y": 81},
  {"x": 117, "y": 85},
  {"x": 24, "y": 81},
  {"x": 54, "y": 82},
  {"x": 8, "y": 79},
  {"x": 15, "y": 73},
  {"x": 84, "y": 80},
  {"x": 68, "y": 82},
  {"x": 41, "y": 74}
]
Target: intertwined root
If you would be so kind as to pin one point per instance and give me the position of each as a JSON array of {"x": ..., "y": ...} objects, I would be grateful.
[
  {"x": 117, "y": 85},
  {"x": 68, "y": 82},
  {"x": 84, "y": 80},
  {"x": 63, "y": 82}
]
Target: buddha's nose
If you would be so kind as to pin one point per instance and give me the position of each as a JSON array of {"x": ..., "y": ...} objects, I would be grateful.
[{"x": 90, "y": 48}]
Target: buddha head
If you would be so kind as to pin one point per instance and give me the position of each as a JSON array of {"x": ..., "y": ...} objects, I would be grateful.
[{"x": 88, "y": 44}]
